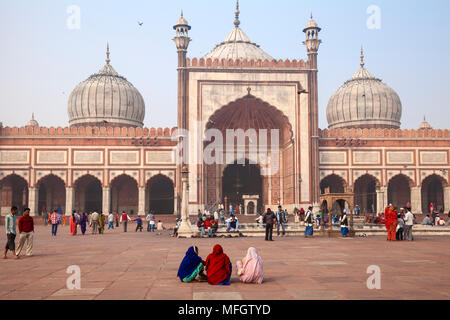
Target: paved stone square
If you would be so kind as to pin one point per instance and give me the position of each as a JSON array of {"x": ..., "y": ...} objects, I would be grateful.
[{"x": 132, "y": 265}]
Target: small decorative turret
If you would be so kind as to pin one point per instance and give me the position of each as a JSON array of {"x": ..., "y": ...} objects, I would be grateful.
[
  {"x": 312, "y": 41},
  {"x": 425, "y": 125},
  {"x": 32, "y": 122},
  {"x": 182, "y": 39}
]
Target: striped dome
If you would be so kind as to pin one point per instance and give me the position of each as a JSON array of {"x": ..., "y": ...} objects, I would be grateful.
[
  {"x": 364, "y": 102},
  {"x": 106, "y": 98}
]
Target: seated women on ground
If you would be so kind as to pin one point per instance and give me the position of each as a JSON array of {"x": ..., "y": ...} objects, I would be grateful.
[
  {"x": 218, "y": 267},
  {"x": 250, "y": 268},
  {"x": 191, "y": 266}
]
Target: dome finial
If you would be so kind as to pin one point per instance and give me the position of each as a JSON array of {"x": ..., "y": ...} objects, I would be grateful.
[
  {"x": 32, "y": 116},
  {"x": 237, "y": 12},
  {"x": 107, "y": 53},
  {"x": 362, "y": 64}
]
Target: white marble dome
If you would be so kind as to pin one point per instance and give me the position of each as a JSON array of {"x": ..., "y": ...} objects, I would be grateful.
[
  {"x": 106, "y": 98},
  {"x": 237, "y": 45},
  {"x": 364, "y": 102}
]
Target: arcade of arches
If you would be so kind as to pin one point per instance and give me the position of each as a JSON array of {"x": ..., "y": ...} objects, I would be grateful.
[
  {"x": 227, "y": 183},
  {"x": 88, "y": 195},
  {"x": 400, "y": 190}
]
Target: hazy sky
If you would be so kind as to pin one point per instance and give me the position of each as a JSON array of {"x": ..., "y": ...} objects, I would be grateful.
[{"x": 42, "y": 60}]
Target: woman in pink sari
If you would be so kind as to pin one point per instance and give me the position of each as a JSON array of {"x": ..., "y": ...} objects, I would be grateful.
[
  {"x": 73, "y": 224},
  {"x": 250, "y": 269}
]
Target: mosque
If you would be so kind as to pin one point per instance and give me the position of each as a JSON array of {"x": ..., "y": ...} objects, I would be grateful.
[{"x": 105, "y": 159}]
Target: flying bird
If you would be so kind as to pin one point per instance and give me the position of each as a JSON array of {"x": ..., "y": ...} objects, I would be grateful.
[{"x": 140, "y": 23}]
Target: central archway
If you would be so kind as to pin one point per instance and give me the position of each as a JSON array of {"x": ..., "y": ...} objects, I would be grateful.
[
  {"x": 242, "y": 179},
  {"x": 257, "y": 120}
]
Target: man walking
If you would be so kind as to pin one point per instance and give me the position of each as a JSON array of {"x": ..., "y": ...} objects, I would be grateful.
[
  {"x": 54, "y": 219},
  {"x": 124, "y": 218},
  {"x": 269, "y": 219},
  {"x": 94, "y": 222},
  {"x": 281, "y": 221},
  {"x": 309, "y": 229},
  {"x": 10, "y": 226},
  {"x": 26, "y": 233},
  {"x": 110, "y": 221},
  {"x": 409, "y": 222}
]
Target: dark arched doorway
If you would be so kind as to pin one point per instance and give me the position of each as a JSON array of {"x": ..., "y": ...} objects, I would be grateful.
[
  {"x": 88, "y": 194},
  {"x": 399, "y": 190},
  {"x": 124, "y": 194},
  {"x": 365, "y": 189},
  {"x": 14, "y": 191},
  {"x": 242, "y": 179},
  {"x": 433, "y": 192},
  {"x": 334, "y": 182},
  {"x": 52, "y": 194},
  {"x": 160, "y": 195}
]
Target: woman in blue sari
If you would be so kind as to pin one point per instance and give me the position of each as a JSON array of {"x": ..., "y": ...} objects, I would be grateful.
[{"x": 191, "y": 266}]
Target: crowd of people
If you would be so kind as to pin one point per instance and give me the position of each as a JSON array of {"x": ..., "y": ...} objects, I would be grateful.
[
  {"x": 398, "y": 222},
  {"x": 217, "y": 268}
]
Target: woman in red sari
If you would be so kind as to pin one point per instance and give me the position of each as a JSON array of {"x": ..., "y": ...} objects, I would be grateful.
[
  {"x": 73, "y": 224},
  {"x": 218, "y": 267},
  {"x": 391, "y": 223}
]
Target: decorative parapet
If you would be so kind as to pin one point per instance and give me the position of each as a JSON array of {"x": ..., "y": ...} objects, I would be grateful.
[
  {"x": 377, "y": 133},
  {"x": 246, "y": 64},
  {"x": 87, "y": 131}
]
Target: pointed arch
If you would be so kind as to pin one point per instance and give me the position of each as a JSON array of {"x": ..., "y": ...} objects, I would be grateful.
[
  {"x": 160, "y": 194},
  {"x": 432, "y": 192},
  {"x": 365, "y": 192},
  {"x": 88, "y": 194},
  {"x": 52, "y": 193},
  {"x": 124, "y": 194},
  {"x": 335, "y": 183},
  {"x": 399, "y": 190},
  {"x": 14, "y": 192}
]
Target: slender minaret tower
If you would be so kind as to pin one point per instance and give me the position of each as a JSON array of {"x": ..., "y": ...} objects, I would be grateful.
[
  {"x": 182, "y": 41},
  {"x": 312, "y": 44}
]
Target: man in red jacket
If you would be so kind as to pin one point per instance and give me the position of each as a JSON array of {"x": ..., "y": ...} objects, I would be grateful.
[{"x": 26, "y": 231}]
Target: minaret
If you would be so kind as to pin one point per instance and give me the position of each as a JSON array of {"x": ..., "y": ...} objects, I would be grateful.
[
  {"x": 312, "y": 44},
  {"x": 312, "y": 41},
  {"x": 182, "y": 41}
]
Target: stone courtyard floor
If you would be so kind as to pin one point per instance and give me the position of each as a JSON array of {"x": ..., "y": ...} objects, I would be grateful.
[{"x": 132, "y": 265}]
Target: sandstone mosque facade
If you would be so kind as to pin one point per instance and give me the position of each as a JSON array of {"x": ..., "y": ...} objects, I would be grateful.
[{"x": 105, "y": 160}]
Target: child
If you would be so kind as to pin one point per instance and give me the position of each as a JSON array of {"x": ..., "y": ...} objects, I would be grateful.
[
  {"x": 160, "y": 226},
  {"x": 139, "y": 224}
]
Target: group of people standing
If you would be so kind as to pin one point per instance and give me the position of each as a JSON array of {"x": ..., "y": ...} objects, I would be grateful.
[
  {"x": 217, "y": 268},
  {"x": 398, "y": 224}
]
